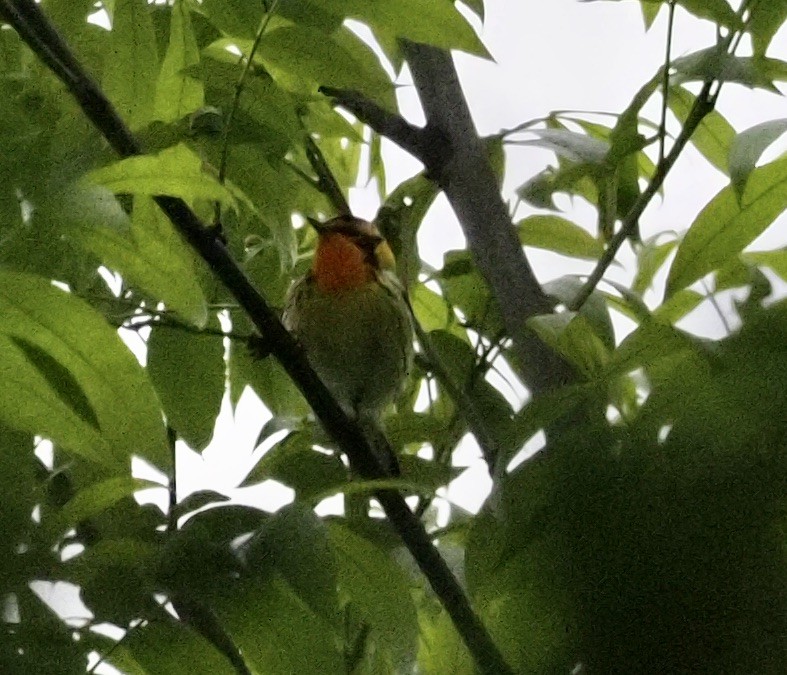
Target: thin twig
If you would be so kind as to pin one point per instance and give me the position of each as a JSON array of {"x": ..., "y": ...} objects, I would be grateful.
[
  {"x": 326, "y": 181},
  {"x": 225, "y": 144},
  {"x": 703, "y": 104},
  {"x": 172, "y": 488},
  {"x": 665, "y": 81},
  {"x": 711, "y": 295},
  {"x": 33, "y": 27},
  {"x": 163, "y": 320}
]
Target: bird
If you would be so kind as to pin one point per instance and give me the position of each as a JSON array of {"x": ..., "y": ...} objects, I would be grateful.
[{"x": 351, "y": 315}]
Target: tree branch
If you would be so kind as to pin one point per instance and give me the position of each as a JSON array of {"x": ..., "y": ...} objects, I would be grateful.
[
  {"x": 34, "y": 28},
  {"x": 462, "y": 170},
  {"x": 703, "y": 104},
  {"x": 326, "y": 181},
  {"x": 394, "y": 127}
]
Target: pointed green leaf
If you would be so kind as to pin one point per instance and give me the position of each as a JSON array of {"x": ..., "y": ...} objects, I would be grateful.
[
  {"x": 92, "y": 500},
  {"x": 438, "y": 24},
  {"x": 650, "y": 258},
  {"x": 569, "y": 145},
  {"x": 177, "y": 93},
  {"x": 147, "y": 252},
  {"x": 303, "y": 59},
  {"x": 775, "y": 260},
  {"x": 276, "y": 631},
  {"x": 187, "y": 371},
  {"x": 560, "y": 235},
  {"x": 99, "y": 379},
  {"x": 747, "y": 148},
  {"x": 766, "y": 17},
  {"x": 716, "y": 64},
  {"x": 296, "y": 542},
  {"x": 176, "y": 172},
  {"x": 725, "y": 226},
  {"x": 387, "y": 607},
  {"x": 713, "y": 137},
  {"x": 131, "y": 62},
  {"x": 678, "y": 306},
  {"x": 718, "y": 11},
  {"x": 572, "y": 336}
]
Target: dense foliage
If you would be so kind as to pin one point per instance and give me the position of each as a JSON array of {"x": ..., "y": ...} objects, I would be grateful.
[{"x": 647, "y": 535}]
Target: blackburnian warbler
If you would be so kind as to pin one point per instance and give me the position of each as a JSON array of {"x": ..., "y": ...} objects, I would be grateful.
[{"x": 352, "y": 317}]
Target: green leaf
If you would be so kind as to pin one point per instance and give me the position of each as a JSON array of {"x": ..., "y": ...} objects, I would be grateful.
[
  {"x": 293, "y": 462},
  {"x": 276, "y": 631},
  {"x": 303, "y": 59},
  {"x": 766, "y": 17},
  {"x": 60, "y": 379},
  {"x": 718, "y": 11},
  {"x": 653, "y": 342},
  {"x": 650, "y": 10},
  {"x": 266, "y": 105},
  {"x": 747, "y": 148},
  {"x": 187, "y": 371},
  {"x": 725, "y": 226},
  {"x": 295, "y": 541},
  {"x": 176, "y": 172},
  {"x": 713, "y": 137},
  {"x": 76, "y": 337},
  {"x": 716, "y": 64},
  {"x": 131, "y": 62},
  {"x": 92, "y": 500},
  {"x": 544, "y": 410},
  {"x": 387, "y": 607},
  {"x": 678, "y": 305},
  {"x": 565, "y": 289},
  {"x": 177, "y": 93},
  {"x": 569, "y": 145},
  {"x": 438, "y": 24},
  {"x": 238, "y": 18},
  {"x": 560, "y": 235},
  {"x": 147, "y": 252},
  {"x": 430, "y": 308},
  {"x": 465, "y": 289},
  {"x": 165, "y": 646},
  {"x": 399, "y": 219},
  {"x": 651, "y": 256},
  {"x": 572, "y": 336},
  {"x": 775, "y": 260},
  {"x": 269, "y": 381}
]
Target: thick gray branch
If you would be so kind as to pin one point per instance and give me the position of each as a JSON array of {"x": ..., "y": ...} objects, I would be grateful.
[{"x": 468, "y": 181}]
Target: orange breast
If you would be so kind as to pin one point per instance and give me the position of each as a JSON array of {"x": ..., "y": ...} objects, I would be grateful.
[{"x": 339, "y": 264}]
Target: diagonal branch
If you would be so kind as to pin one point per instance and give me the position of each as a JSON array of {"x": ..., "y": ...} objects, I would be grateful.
[
  {"x": 39, "y": 34},
  {"x": 703, "y": 105},
  {"x": 468, "y": 181},
  {"x": 394, "y": 127}
]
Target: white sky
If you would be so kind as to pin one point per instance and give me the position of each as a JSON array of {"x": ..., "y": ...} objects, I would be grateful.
[{"x": 550, "y": 54}]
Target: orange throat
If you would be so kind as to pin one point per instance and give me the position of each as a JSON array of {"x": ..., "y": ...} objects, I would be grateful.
[{"x": 339, "y": 265}]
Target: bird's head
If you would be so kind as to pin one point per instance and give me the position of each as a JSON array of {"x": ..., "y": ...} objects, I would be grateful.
[{"x": 350, "y": 252}]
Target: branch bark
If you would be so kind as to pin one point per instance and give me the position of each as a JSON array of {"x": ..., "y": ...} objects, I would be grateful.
[
  {"x": 35, "y": 29},
  {"x": 455, "y": 158},
  {"x": 470, "y": 185}
]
